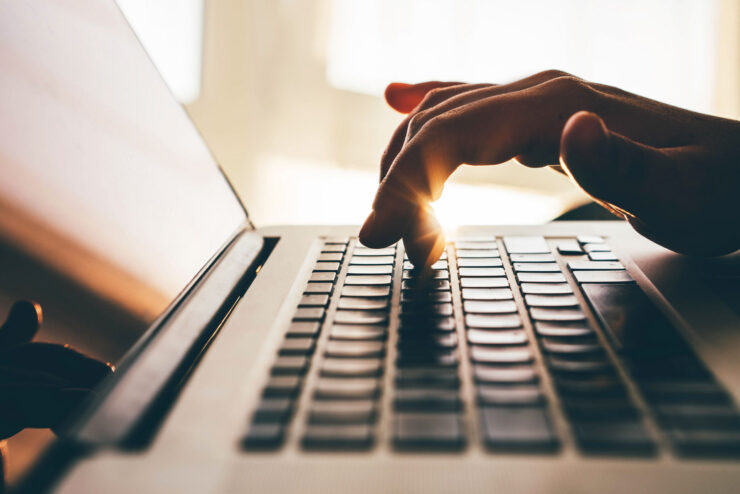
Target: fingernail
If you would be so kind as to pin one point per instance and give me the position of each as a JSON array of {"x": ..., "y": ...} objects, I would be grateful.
[{"x": 367, "y": 227}]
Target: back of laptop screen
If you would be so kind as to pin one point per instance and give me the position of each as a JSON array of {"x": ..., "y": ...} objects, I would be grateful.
[{"x": 110, "y": 202}]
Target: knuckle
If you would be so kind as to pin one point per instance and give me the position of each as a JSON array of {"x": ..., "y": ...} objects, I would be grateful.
[
  {"x": 417, "y": 122},
  {"x": 569, "y": 85},
  {"x": 553, "y": 74}
]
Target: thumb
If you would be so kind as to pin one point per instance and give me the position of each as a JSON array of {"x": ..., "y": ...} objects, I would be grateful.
[
  {"x": 21, "y": 325},
  {"x": 404, "y": 97},
  {"x": 608, "y": 166}
]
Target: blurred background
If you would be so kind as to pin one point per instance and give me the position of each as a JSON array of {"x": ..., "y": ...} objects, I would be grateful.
[{"x": 288, "y": 93}]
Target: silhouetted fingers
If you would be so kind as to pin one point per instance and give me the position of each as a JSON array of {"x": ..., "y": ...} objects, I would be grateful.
[
  {"x": 38, "y": 406},
  {"x": 22, "y": 323}
]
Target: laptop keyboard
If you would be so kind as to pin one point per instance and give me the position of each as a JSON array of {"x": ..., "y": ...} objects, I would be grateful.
[{"x": 499, "y": 341}]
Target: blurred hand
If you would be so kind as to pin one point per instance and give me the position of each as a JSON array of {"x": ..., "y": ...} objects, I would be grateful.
[
  {"x": 671, "y": 173},
  {"x": 40, "y": 383}
]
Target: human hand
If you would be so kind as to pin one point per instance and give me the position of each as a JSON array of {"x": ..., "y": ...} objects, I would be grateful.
[
  {"x": 40, "y": 383},
  {"x": 671, "y": 173}
]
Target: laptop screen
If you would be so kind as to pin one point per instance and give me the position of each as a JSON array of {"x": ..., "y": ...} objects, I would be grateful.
[{"x": 110, "y": 202}]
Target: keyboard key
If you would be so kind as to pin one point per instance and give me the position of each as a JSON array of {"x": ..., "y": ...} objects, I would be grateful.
[
  {"x": 282, "y": 387},
  {"x": 427, "y": 400},
  {"x": 569, "y": 247},
  {"x": 468, "y": 253},
  {"x": 361, "y": 269},
  {"x": 347, "y": 389},
  {"x": 590, "y": 239},
  {"x": 366, "y": 291},
  {"x": 334, "y": 248},
  {"x": 626, "y": 437},
  {"x": 427, "y": 276},
  {"x": 365, "y": 251},
  {"x": 532, "y": 258},
  {"x": 484, "y": 282},
  {"x": 319, "y": 276},
  {"x": 355, "y": 349},
  {"x": 497, "y": 338},
  {"x": 428, "y": 431},
  {"x": 425, "y": 297},
  {"x": 346, "y": 367},
  {"x": 342, "y": 412},
  {"x": 489, "y": 307},
  {"x": 273, "y": 410},
  {"x": 363, "y": 303},
  {"x": 487, "y": 294},
  {"x": 523, "y": 395},
  {"x": 318, "y": 288},
  {"x": 331, "y": 257},
  {"x": 518, "y": 429},
  {"x": 551, "y": 300},
  {"x": 705, "y": 392},
  {"x": 602, "y": 277},
  {"x": 556, "y": 314},
  {"x": 423, "y": 341},
  {"x": 336, "y": 240},
  {"x": 595, "y": 265},
  {"x": 597, "y": 386},
  {"x": 575, "y": 368},
  {"x": 498, "y": 321},
  {"x": 546, "y": 288},
  {"x": 505, "y": 375},
  {"x": 439, "y": 265},
  {"x": 602, "y": 256},
  {"x": 698, "y": 416},
  {"x": 357, "y": 332},
  {"x": 361, "y": 317},
  {"x": 422, "y": 284},
  {"x": 444, "y": 324},
  {"x": 338, "y": 437},
  {"x": 304, "y": 329},
  {"x": 465, "y": 245},
  {"x": 706, "y": 443},
  {"x": 595, "y": 247},
  {"x": 479, "y": 262},
  {"x": 442, "y": 257},
  {"x": 571, "y": 350},
  {"x": 371, "y": 260},
  {"x": 526, "y": 245},
  {"x": 487, "y": 355},
  {"x": 327, "y": 266},
  {"x": 369, "y": 280},
  {"x": 264, "y": 436},
  {"x": 297, "y": 346},
  {"x": 314, "y": 301},
  {"x": 565, "y": 330},
  {"x": 598, "y": 409},
  {"x": 481, "y": 272},
  {"x": 289, "y": 366},
  {"x": 309, "y": 314},
  {"x": 441, "y": 358},
  {"x": 432, "y": 310},
  {"x": 427, "y": 377},
  {"x": 536, "y": 267},
  {"x": 526, "y": 277}
]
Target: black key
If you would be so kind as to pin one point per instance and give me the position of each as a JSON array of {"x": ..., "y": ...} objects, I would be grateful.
[
  {"x": 428, "y": 431},
  {"x": 527, "y": 277},
  {"x": 590, "y": 239},
  {"x": 532, "y": 258},
  {"x": 336, "y": 240},
  {"x": 487, "y": 294},
  {"x": 473, "y": 253},
  {"x": 371, "y": 260},
  {"x": 426, "y": 276},
  {"x": 427, "y": 400},
  {"x": 489, "y": 243},
  {"x": 289, "y": 366},
  {"x": 363, "y": 303},
  {"x": 444, "y": 324},
  {"x": 603, "y": 277},
  {"x": 421, "y": 284},
  {"x": 563, "y": 330},
  {"x": 282, "y": 387},
  {"x": 509, "y": 356},
  {"x": 505, "y": 375},
  {"x": 518, "y": 429},
  {"x": 331, "y": 257},
  {"x": 355, "y": 349},
  {"x": 551, "y": 300},
  {"x": 361, "y": 317},
  {"x": 318, "y": 288},
  {"x": 498, "y": 321},
  {"x": 264, "y": 436},
  {"x": 273, "y": 410},
  {"x": 496, "y": 338},
  {"x": 314, "y": 301},
  {"x": 347, "y": 389},
  {"x": 427, "y": 377},
  {"x": 546, "y": 288},
  {"x": 706, "y": 443},
  {"x": 431, "y": 310},
  {"x": 366, "y": 291},
  {"x": 342, "y": 412},
  {"x": 320, "y": 276},
  {"x": 622, "y": 437},
  {"x": 303, "y": 329},
  {"x": 484, "y": 283},
  {"x": 343, "y": 367},
  {"x": 309, "y": 314},
  {"x": 354, "y": 437},
  {"x": 595, "y": 266},
  {"x": 480, "y": 262},
  {"x": 536, "y": 267},
  {"x": 413, "y": 340},
  {"x": 357, "y": 332},
  {"x": 489, "y": 307},
  {"x": 360, "y": 269},
  {"x": 520, "y": 395},
  {"x": 371, "y": 280},
  {"x": 298, "y": 346},
  {"x": 526, "y": 245},
  {"x": 569, "y": 248},
  {"x": 365, "y": 251},
  {"x": 334, "y": 248},
  {"x": 327, "y": 266},
  {"x": 602, "y": 256},
  {"x": 481, "y": 272},
  {"x": 425, "y": 297},
  {"x": 556, "y": 314}
]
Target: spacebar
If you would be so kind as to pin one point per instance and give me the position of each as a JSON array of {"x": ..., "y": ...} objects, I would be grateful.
[{"x": 636, "y": 327}]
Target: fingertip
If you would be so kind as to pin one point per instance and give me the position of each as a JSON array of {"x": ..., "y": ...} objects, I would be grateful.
[
  {"x": 584, "y": 152},
  {"x": 425, "y": 241},
  {"x": 398, "y": 96}
]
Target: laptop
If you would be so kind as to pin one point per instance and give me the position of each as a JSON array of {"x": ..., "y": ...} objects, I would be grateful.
[{"x": 559, "y": 358}]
